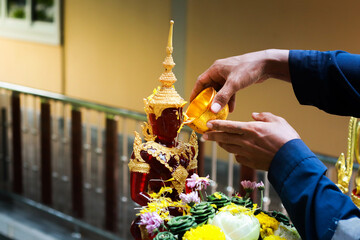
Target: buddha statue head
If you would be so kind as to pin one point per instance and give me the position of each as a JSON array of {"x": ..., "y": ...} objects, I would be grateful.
[{"x": 164, "y": 108}]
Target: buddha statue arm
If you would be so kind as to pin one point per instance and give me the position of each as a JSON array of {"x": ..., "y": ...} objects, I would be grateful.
[
  {"x": 139, "y": 179},
  {"x": 147, "y": 177},
  {"x": 139, "y": 184}
]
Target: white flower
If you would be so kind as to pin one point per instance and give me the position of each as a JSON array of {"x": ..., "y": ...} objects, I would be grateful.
[
  {"x": 197, "y": 183},
  {"x": 190, "y": 197},
  {"x": 237, "y": 227}
]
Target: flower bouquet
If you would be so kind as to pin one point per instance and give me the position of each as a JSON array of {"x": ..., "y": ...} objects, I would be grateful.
[{"x": 195, "y": 217}]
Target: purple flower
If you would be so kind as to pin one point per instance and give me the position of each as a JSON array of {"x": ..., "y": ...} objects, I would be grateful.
[
  {"x": 248, "y": 186},
  {"x": 152, "y": 220},
  {"x": 192, "y": 197},
  {"x": 198, "y": 183}
]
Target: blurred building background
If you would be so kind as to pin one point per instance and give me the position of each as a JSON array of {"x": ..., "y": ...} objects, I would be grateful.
[{"x": 110, "y": 51}]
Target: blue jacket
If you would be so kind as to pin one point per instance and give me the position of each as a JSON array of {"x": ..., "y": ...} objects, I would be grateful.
[{"x": 331, "y": 82}]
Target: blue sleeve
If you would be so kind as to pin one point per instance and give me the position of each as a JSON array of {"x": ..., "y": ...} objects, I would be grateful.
[
  {"x": 313, "y": 202},
  {"x": 327, "y": 80}
]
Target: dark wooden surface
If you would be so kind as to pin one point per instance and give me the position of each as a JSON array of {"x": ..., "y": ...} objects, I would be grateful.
[
  {"x": 76, "y": 164},
  {"x": 111, "y": 175},
  {"x": 201, "y": 157},
  {"x": 4, "y": 145},
  {"x": 17, "y": 143},
  {"x": 45, "y": 146}
]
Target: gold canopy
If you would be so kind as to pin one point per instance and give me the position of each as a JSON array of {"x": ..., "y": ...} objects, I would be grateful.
[{"x": 165, "y": 96}]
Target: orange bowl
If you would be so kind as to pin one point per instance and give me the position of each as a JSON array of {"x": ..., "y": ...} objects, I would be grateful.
[{"x": 198, "y": 113}]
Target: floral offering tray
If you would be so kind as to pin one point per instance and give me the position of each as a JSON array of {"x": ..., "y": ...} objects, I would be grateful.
[{"x": 216, "y": 216}]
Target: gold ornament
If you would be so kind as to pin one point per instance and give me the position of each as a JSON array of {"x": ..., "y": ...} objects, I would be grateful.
[
  {"x": 163, "y": 154},
  {"x": 180, "y": 176},
  {"x": 138, "y": 166},
  {"x": 165, "y": 96},
  {"x": 137, "y": 146},
  {"x": 148, "y": 132},
  {"x": 344, "y": 165}
]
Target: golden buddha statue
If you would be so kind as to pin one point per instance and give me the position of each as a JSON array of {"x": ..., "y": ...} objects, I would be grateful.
[{"x": 162, "y": 160}]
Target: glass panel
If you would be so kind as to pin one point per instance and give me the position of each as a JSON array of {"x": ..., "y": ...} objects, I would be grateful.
[
  {"x": 16, "y": 9},
  {"x": 43, "y": 10}
]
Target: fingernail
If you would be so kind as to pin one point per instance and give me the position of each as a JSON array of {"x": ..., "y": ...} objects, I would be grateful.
[
  {"x": 215, "y": 107},
  {"x": 255, "y": 113},
  {"x": 209, "y": 125}
]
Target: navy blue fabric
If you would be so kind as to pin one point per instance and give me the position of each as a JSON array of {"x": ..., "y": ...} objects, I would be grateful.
[
  {"x": 327, "y": 80},
  {"x": 331, "y": 82},
  {"x": 314, "y": 203}
]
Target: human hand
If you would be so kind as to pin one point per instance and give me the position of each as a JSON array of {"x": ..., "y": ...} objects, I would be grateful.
[
  {"x": 231, "y": 74},
  {"x": 253, "y": 143}
]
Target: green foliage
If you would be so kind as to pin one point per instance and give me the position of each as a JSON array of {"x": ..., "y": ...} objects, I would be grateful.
[{"x": 18, "y": 13}]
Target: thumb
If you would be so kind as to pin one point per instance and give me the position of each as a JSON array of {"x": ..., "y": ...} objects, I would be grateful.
[
  {"x": 222, "y": 98},
  {"x": 264, "y": 117}
]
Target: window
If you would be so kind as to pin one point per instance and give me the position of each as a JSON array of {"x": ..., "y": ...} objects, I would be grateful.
[{"x": 31, "y": 20}]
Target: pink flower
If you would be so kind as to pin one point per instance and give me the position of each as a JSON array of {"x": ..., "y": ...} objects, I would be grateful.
[
  {"x": 260, "y": 186},
  {"x": 192, "y": 197},
  {"x": 198, "y": 183},
  {"x": 152, "y": 220},
  {"x": 248, "y": 186}
]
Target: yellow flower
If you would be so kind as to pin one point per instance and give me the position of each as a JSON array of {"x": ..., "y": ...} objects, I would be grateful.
[
  {"x": 274, "y": 237},
  {"x": 236, "y": 209},
  {"x": 161, "y": 206},
  {"x": 161, "y": 192},
  {"x": 217, "y": 195},
  {"x": 268, "y": 224},
  {"x": 204, "y": 232}
]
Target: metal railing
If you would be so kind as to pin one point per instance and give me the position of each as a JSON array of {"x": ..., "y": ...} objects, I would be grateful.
[{"x": 69, "y": 157}]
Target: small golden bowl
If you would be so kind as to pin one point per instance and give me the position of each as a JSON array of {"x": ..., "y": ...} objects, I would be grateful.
[{"x": 198, "y": 113}]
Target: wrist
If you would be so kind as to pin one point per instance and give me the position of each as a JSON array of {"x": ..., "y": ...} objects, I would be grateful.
[{"x": 277, "y": 64}]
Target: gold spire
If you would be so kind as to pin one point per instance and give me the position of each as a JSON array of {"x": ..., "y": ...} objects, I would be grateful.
[
  {"x": 166, "y": 95},
  {"x": 168, "y": 78}
]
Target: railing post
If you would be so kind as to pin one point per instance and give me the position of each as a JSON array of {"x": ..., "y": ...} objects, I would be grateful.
[
  {"x": 111, "y": 174},
  {"x": 4, "y": 146},
  {"x": 45, "y": 131},
  {"x": 76, "y": 163},
  {"x": 17, "y": 143},
  {"x": 201, "y": 157}
]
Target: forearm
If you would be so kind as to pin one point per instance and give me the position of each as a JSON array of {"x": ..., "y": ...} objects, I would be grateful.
[
  {"x": 327, "y": 80},
  {"x": 277, "y": 64}
]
